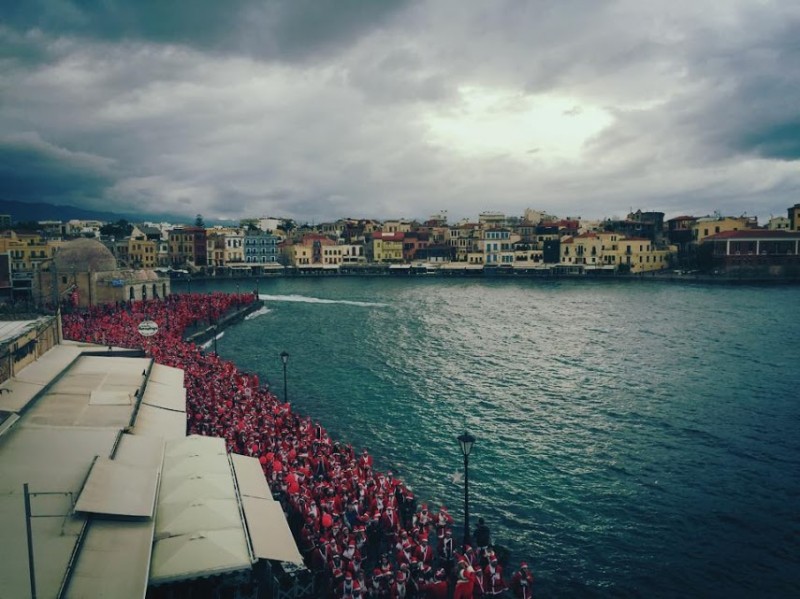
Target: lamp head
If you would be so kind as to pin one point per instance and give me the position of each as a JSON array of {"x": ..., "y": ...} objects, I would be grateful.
[
  {"x": 284, "y": 357},
  {"x": 466, "y": 441}
]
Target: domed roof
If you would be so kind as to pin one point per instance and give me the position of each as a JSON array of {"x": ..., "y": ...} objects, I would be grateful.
[{"x": 83, "y": 255}]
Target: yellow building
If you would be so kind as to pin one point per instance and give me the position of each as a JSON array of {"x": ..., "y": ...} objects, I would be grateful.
[
  {"x": 27, "y": 250},
  {"x": 387, "y": 247},
  {"x": 309, "y": 251},
  {"x": 613, "y": 252},
  {"x": 708, "y": 226},
  {"x": 142, "y": 253}
]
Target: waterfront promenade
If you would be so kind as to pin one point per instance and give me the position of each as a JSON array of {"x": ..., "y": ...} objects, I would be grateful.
[{"x": 358, "y": 529}]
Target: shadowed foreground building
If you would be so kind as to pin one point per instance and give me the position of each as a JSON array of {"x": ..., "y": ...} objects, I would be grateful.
[{"x": 122, "y": 503}]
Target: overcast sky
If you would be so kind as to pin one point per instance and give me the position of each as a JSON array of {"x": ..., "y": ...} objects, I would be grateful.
[{"x": 315, "y": 109}]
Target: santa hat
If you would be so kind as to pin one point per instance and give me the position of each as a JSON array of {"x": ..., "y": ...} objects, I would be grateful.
[{"x": 523, "y": 565}]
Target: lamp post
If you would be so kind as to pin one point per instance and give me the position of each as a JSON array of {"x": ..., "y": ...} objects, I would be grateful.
[
  {"x": 215, "y": 338},
  {"x": 285, "y": 360},
  {"x": 466, "y": 441}
]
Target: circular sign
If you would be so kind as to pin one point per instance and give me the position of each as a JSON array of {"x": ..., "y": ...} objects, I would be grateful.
[{"x": 148, "y": 328}]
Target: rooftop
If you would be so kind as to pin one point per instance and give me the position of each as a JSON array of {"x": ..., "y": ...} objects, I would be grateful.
[{"x": 120, "y": 498}]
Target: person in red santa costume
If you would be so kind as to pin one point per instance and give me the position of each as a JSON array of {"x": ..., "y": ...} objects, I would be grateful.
[
  {"x": 522, "y": 582},
  {"x": 436, "y": 589},
  {"x": 443, "y": 521},
  {"x": 493, "y": 582},
  {"x": 347, "y": 587},
  {"x": 465, "y": 581},
  {"x": 424, "y": 551},
  {"x": 399, "y": 588}
]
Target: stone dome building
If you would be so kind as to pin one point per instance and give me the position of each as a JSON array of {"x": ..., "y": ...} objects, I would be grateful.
[
  {"x": 84, "y": 255},
  {"x": 84, "y": 273}
]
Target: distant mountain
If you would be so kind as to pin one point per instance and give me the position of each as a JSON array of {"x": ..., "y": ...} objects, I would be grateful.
[{"x": 23, "y": 211}]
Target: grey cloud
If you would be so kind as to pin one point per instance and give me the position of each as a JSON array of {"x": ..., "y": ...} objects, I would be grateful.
[
  {"x": 282, "y": 29},
  {"x": 32, "y": 169}
]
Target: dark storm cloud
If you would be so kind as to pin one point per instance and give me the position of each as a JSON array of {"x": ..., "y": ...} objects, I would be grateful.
[
  {"x": 282, "y": 29},
  {"x": 33, "y": 170}
]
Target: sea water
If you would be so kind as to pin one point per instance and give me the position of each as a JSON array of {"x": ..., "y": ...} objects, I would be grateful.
[{"x": 633, "y": 439}]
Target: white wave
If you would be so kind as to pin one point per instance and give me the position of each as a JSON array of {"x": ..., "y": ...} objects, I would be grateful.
[
  {"x": 208, "y": 343},
  {"x": 318, "y": 300},
  {"x": 260, "y": 312}
]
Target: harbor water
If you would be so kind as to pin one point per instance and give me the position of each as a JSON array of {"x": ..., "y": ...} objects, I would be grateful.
[{"x": 633, "y": 439}]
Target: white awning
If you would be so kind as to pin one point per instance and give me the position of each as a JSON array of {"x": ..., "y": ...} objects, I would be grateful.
[
  {"x": 202, "y": 553},
  {"x": 119, "y": 489},
  {"x": 166, "y": 397},
  {"x": 199, "y": 527},
  {"x": 166, "y": 375},
  {"x": 251, "y": 479},
  {"x": 269, "y": 531},
  {"x": 195, "y": 445},
  {"x": 157, "y": 422},
  {"x": 181, "y": 518},
  {"x": 205, "y": 464}
]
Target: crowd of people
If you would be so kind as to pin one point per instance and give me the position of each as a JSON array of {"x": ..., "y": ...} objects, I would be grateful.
[{"x": 361, "y": 531}]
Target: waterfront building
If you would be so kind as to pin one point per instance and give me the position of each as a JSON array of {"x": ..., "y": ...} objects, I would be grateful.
[
  {"x": 611, "y": 252},
  {"x": 497, "y": 245},
  {"x": 465, "y": 238},
  {"x": 188, "y": 247},
  {"x": 386, "y": 247},
  {"x": 352, "y": 253},
  {"x": 260, "y": 247},
  {"x": 712, "y": 225},
  {"x": 773, "y": 253},
  {"x": 225, "y": 247},
  {"x": 308, "y": 251},
  {"x": 436, "y": 253},
  {"x": 413, "y": 242},
  {"x": 528, "y": 255}
]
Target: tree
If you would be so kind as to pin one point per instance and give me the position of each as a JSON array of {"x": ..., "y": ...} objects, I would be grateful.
[
  {"x": 118, "y": 230},
  {"x": 199, "y": 222},
  {"x": 26, "y": 225}
]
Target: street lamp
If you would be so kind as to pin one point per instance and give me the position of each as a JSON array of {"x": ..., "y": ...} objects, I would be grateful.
[
  {"x": 215, "y": 338},
  {"x": 466, "y": 441},
  {"x": 285, "y": 360}
]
